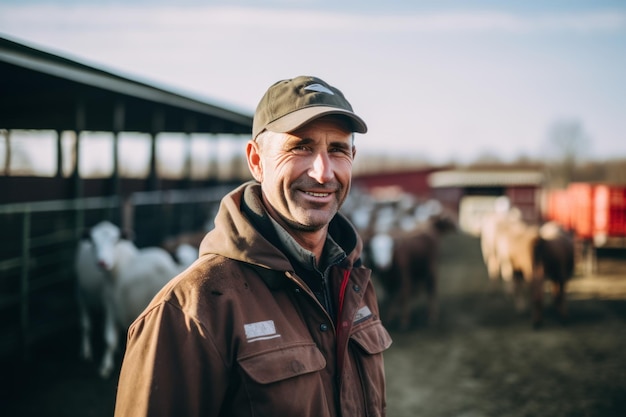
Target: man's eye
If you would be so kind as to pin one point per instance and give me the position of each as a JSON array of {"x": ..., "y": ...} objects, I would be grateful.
[
  {"x": 300, "y": 149},
  {"x": 340, "y": 150}
]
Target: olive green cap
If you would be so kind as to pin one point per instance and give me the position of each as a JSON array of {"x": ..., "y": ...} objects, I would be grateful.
[{"x": 290, "y": 104}]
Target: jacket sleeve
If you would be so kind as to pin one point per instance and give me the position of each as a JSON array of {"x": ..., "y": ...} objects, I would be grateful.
[{"x": 171, "y": 367}]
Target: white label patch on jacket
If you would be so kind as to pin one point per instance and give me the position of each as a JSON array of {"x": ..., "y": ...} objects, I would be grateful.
[
  {"x": 261, "y": 330},
  {"x": 362, "y": 314}
]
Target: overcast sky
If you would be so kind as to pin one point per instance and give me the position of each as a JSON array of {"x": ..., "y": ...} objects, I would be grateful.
[{"x": 439, "y": 80}]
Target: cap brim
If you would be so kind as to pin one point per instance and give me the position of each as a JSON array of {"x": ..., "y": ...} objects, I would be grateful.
[{"x": 299, "y": 118}]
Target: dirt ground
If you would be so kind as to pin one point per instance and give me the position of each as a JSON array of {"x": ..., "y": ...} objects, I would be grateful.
[{"x": 482, "y": 359}]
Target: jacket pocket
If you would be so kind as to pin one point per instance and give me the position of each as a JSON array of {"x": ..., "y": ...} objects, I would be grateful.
[
  {"x": 373, "y": 338},
  {"x": 283, "y": 363},
  {"x": 364, "y": 376}
]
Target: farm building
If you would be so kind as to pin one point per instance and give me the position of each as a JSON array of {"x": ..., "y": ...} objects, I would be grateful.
[
  {"x": 53, "y": 111},
  {"x": 68, "y": 107},
  {"x": 388, "y": 184},
  {"x": 472, "y": 193}
]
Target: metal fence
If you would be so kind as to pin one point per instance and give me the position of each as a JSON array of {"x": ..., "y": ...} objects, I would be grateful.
[{"x": 39, "y": 239}]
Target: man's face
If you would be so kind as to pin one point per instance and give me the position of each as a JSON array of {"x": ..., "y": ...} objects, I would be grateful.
[{"x": 305, "y": 175}]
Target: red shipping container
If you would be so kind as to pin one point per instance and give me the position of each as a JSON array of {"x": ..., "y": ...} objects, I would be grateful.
[
  {"x": 559, "y": 208},
  {"x": 609, "y": 211},
  {"x": 581, "y": 197}
]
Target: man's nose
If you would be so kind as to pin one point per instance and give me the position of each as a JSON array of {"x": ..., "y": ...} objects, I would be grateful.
[{"x": 321, "y": 170}]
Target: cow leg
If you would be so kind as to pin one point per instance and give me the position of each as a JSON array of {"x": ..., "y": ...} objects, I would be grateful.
[
  {"x": 506, "y": 270},
  {"x": 493, "y": 267},
  {"x": 537, "y": 300},
  {"x": 433, "y": 305},
  {"x": 111, "y": 339},
  {"x": 519, "y": 293},
  {"x": 391, "y": 308},
  {"x": 85, "y": 325},
  {"x": 405, "y": 309},
  {"x": 558, "y": 297}
]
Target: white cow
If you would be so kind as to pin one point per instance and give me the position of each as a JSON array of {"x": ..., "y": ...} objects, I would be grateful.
[
  {"x": 92, "y": 281},
  {"x": 122, "y": 279},
  {"x": 493, "y": 224}
]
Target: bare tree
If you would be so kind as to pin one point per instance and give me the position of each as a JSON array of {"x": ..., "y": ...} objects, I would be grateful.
[{"x": 569, "y": 143}]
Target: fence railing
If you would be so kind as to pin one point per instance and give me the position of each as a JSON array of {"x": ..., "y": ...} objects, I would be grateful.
[{"x": 37, "y": 247}]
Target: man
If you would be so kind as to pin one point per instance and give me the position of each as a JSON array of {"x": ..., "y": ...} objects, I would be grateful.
[{"x": 277, "y": 317}]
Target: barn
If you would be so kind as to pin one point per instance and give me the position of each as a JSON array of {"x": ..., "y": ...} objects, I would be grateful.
[
  {"x": 472, "y": 192},
  {"x": 42, "y": 216}
]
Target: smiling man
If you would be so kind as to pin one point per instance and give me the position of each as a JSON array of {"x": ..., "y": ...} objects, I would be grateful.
[
  {"x": 304, "y": 176},
  {"x": 278, "y": 317}
]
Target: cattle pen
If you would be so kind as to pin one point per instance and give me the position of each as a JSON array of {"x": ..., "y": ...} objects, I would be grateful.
[{"x": 40, "y": 238}]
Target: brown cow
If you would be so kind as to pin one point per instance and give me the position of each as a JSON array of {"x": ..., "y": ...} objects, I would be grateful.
[
  {"x": 404, "y": 261},
  {"x": 554, "y": 259},
  {"x": 528, "y": 254}
]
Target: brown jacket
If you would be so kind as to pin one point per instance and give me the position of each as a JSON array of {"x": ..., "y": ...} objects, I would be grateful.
[{"x": 240, "y": 334}]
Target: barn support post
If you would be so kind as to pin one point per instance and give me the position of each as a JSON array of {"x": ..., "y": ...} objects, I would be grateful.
[
  {"x": 59, "y": 145},
  {"x": 80, "y": 121},
  {"x": 7, "y": 154},
  {"x": 240, "y": 165},
  {"x": 185, "y": 180},
  {"x": 153, "y": 180},
  {"x": 213, "y": 173},
  {"x": 115, "y": 190},
  {"x": 24, "y": 286},
  {"x": 119, "y": 116},
  {"x": 80, "y": 126},
  {"x": 115, "y": 175},
  {"x": 190, "y": 125},
  {"x": 158, "y": 124},
  {"x": 128, "y": 213}
]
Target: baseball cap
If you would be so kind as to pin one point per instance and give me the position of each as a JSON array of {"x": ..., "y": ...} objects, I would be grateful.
[{"x": 290, "y": 104}]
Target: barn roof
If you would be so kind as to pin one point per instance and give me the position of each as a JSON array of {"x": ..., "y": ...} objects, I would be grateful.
[
  {"x": 487, "y": 178},
  {"x": 41, "y": 90}
]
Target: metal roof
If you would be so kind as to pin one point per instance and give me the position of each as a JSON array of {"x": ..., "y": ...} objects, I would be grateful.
[
  {"x": 41, "y": 90},
  {"x": 471, "y": 178}
]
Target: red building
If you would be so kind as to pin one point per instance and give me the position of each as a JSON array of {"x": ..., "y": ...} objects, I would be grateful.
[{"x": 413, "y": 182}]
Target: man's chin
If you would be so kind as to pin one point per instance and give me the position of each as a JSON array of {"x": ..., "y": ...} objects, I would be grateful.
[{"x": 311, "y": 223}]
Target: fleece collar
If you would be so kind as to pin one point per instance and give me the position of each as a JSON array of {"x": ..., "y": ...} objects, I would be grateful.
[{"x": 244, "y": 231}]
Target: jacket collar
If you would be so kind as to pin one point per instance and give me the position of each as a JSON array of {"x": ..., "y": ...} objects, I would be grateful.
[{"x": 244, "y": 231}]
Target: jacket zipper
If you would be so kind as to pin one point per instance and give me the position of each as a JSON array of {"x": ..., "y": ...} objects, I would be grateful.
[{"x": 341, "y": 348}]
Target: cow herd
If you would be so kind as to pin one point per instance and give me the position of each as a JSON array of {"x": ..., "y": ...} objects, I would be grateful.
[
  {"x": 117, "y": 280},
  {"x": 402, "y": 238},
  {"x": 526, "y": 256},
  {"x": 401, "y": 243}
]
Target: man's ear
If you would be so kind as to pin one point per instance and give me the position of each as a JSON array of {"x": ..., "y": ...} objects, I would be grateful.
[{"x": 253, "y": 157}]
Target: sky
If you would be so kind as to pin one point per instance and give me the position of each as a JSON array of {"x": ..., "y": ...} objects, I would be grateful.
[{"x": 434, "y": 80}]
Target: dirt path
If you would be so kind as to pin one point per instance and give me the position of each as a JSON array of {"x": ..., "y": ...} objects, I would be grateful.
[{"x": 482, "y": 360}]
